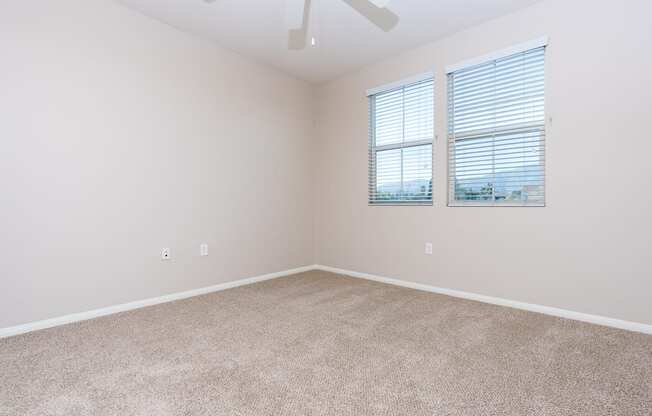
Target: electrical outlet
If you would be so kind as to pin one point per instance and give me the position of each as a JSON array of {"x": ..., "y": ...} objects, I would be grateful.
[
  {"x": 203, "y": 250},
  {"x": 165, "y": 254},
  {"x": 428, "y": 248}
]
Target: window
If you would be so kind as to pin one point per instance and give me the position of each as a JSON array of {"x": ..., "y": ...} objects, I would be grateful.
[
  {"x": 400, "y": 143},
  {"x": 496, "y": 130}
]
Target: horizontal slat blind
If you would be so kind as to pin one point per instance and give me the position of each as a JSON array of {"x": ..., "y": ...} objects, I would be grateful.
[
  {"x": 496, "y": 132},
  {"x": 400, "y": 144}
]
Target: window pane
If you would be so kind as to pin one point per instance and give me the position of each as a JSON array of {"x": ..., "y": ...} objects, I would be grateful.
[
  {"x": 519, "y": 167},
  {"x": 417, "y": 172},
  {"x": 505, "y": 93},
  {"x": 389, "y": 118},
  {"x": 419, "y": 110},
  {"x": 508, "y": 167},
  {"x": 388, "y": 175},
  {"x": 473, "y": 169},
  {"x": 404, "y": 174}
]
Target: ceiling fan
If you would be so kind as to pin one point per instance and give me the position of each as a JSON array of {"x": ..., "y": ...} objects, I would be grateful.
[{"x": 298, "y": 13}]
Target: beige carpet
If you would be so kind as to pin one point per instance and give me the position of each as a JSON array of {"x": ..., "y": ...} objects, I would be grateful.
[{"x": 322, "y": 344}]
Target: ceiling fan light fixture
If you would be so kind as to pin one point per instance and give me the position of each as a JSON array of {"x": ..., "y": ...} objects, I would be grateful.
[{"x": 298, "y": 12}]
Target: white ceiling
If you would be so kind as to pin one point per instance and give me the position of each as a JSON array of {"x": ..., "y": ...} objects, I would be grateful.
[{"x": 346, "y": 40}]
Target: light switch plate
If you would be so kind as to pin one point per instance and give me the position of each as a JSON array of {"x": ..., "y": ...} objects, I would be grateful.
[
  {"x": 203, "y": 250},
  {"x": 428, "y": 248}
]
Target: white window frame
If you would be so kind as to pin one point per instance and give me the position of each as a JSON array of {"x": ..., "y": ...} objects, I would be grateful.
[
  {"x": 497, "y": 55},
  {"x": 373, "y": 149}
]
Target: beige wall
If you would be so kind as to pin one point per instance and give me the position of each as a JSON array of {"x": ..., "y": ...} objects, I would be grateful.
[
  {"x": 120, "y": 136},
  {"x": 589, "y": 249}
]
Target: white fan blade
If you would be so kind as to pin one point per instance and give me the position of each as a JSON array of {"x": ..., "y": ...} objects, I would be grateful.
[
  {"x": 297, "y": 35},
  {"x": 380, "y": 3},
  {"x": 294, "y": 13},
  {"x": 384, "y": 18}
]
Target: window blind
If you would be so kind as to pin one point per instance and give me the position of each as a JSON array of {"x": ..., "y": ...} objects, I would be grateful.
[
  {"x": 496, "y": 131},
  {"x": 401, "y": 133}
]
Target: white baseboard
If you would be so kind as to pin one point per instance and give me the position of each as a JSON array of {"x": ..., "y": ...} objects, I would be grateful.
[
  {"x": 83, "y": 316},
  {"x": 547, "y": 310}
]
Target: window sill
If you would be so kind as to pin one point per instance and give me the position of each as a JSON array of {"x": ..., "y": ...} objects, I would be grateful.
[
  {"x": 495, "y": 205},
  {"x": 400, "y": 204}
]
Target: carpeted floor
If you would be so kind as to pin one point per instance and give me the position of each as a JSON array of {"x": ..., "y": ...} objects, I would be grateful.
[{"x": 322, "y": 344}]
